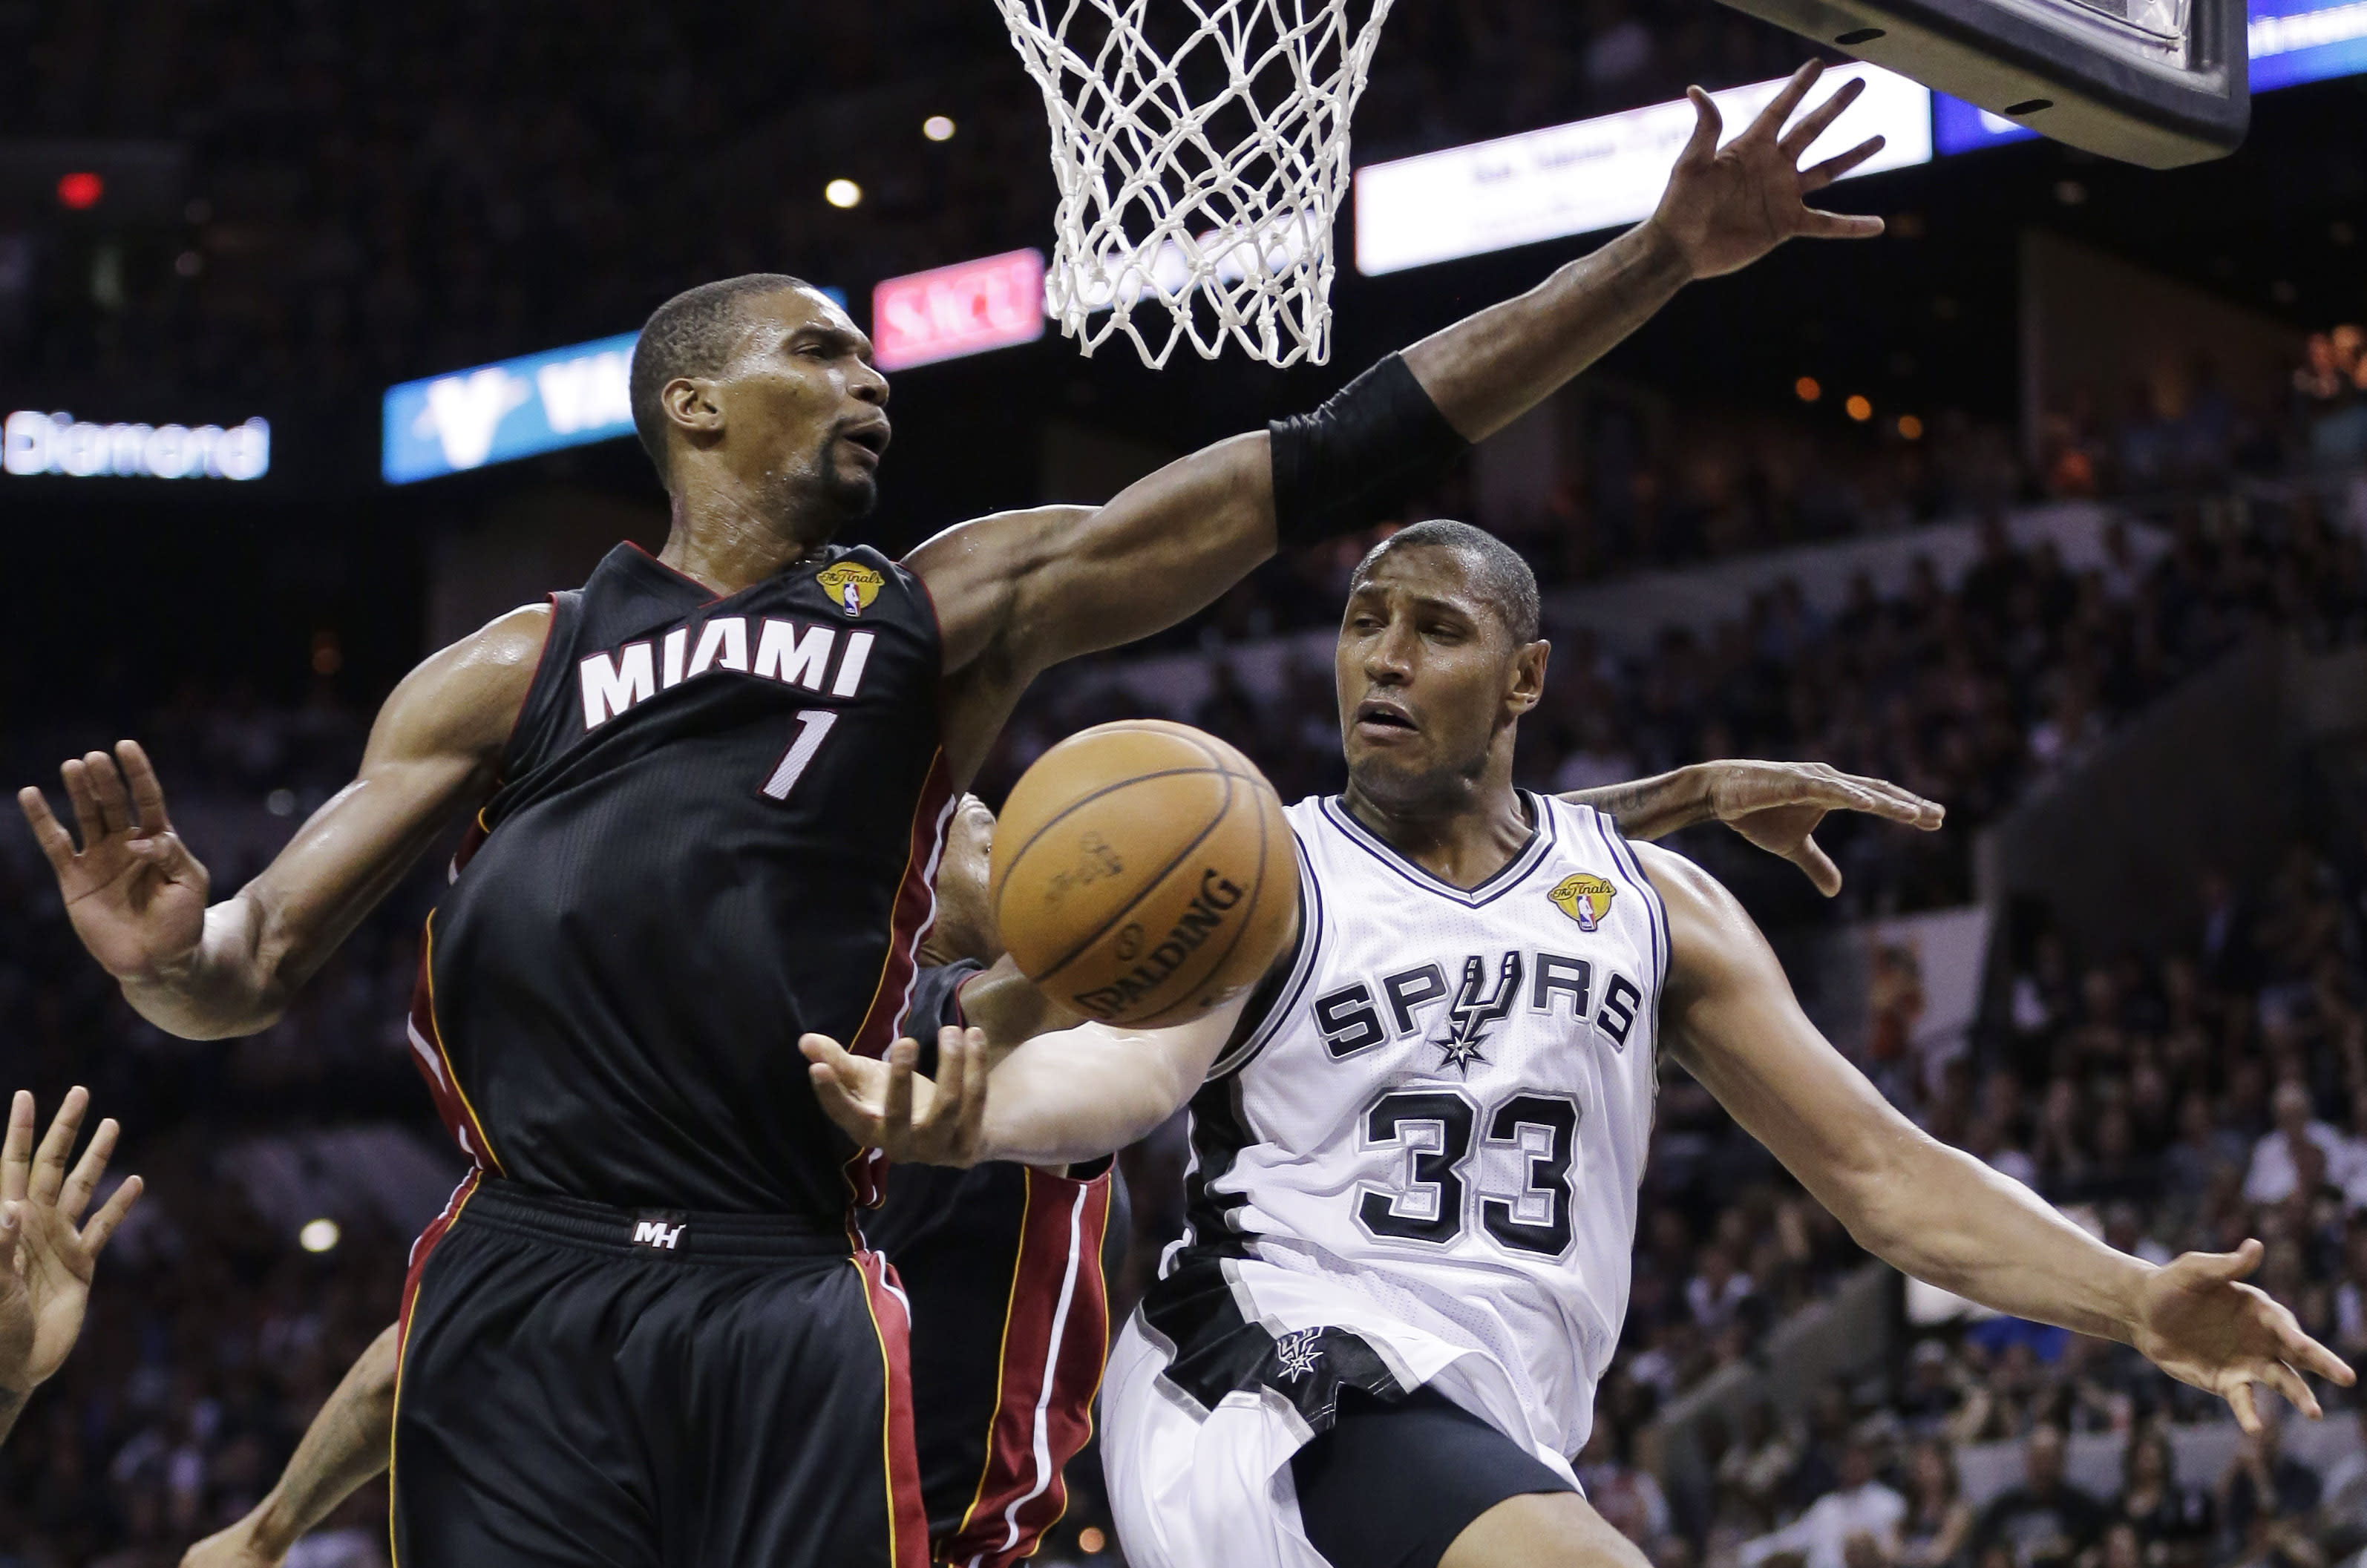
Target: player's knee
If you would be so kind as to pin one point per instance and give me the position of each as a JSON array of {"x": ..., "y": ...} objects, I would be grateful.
[{"x": 1543, "y": 1530}]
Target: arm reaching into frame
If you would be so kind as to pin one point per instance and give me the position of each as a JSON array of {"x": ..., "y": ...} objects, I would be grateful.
[
  {"x": 1775, "y": 806},
  {"x": 47, "y": 1255},
  {"x": 347, "y": 1443},
  {"x": 1027, "y": 1089},
  {"x": 1935, "y": 1211},
  {"x": 1057, "y": 1099},
  {"x": 137, "y": 896},
  {"x": 1021, "y": 591}
]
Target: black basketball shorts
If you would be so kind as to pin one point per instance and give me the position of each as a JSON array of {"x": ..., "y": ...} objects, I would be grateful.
[
  {"x": 583, "y": 1385},
  {"x": 1392, "y": 1481}
]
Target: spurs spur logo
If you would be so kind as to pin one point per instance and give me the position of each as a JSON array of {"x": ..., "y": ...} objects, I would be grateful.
[{"x": 1296, "y": 1353}]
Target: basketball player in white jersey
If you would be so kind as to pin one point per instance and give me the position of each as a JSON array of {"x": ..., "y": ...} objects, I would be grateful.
[{"x": 1417, "y": 1145}]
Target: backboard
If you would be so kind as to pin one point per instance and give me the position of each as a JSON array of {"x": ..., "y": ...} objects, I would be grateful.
[{"x": 2159, "y": 82}]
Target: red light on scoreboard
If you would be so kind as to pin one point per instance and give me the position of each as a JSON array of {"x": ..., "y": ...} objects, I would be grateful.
[
  {"x": 950, "y": 312},
  {"x": 80, "y": 190}
]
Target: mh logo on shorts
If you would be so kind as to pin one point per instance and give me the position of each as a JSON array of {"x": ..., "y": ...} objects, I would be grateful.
[{"x": 656, "y": 1232}]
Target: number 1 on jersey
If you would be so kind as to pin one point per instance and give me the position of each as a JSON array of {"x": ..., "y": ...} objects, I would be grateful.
[{"x": 813, "y": 728}]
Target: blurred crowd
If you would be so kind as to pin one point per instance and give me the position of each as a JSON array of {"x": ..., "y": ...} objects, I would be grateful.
[
  {"x": 2329, "y": 391},
  {"x": 2188, "y": 427},
  {"x": 1967, "y": 695},
  {"x": 2185, "y": 1102},
  {"x": 212, "y": 1340}
]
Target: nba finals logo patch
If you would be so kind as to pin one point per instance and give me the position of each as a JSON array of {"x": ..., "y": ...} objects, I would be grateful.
[
  {"x": 1584, "y": 898},
  {"x": 852, "y": 586}
]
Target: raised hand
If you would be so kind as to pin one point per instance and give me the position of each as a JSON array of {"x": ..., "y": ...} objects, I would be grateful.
[
  {"x": 886, "y": 1105},
  {"x": 2200, "y": 1323},
  {"x": 136, "y": 895},
  {"x": 1777, "y": 806},
  {"x": 1726, "y": 207},
  {"x": 46, "y": 1259}
]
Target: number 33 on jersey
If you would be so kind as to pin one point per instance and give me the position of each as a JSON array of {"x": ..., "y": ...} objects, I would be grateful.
[{"x": 1451, "y": 1079}]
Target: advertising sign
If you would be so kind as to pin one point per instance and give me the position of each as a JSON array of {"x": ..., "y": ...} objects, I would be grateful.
[
  {"x": 33, "y": 442},
  {"x": 1595, "y": 173},
  {"x": 950, "y": 312},
  {"x": 516, "y": 408}
]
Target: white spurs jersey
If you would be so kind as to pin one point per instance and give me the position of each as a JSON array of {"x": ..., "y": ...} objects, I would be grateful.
[{"x": 1441, "y": 1122}]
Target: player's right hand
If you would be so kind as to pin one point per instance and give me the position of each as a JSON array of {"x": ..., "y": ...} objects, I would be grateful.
[
  {"x": 886, "y": 1105},
  {"x": 136, "y": 895}
]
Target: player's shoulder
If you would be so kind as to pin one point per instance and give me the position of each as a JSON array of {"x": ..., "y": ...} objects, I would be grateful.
[
  {"x": 1673, "y": 877},
  {"x": 467, "y": 696},
  {"x": 1707, "y": 924}
]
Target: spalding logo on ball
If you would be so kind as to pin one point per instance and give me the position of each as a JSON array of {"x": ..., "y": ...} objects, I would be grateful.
[{"x": 1144, "y": 873}]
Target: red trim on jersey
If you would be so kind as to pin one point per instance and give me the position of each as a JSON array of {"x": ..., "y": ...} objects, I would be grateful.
[
  {"x": 891, "y": 1321},
  {"x": 712, "y": 596},
  {"x": 910, "y": 917},
  {"x": 1055, "y": 1340},
  {"x": 473, "y": 838},
  {"x": 913, "y": 912},
  {"x": 436, "y": 1230},
  {"x": 435, "y": 1064}
]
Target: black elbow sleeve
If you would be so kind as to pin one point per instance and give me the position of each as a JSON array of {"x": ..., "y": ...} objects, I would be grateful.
[{"x": 1340, "y": 467}]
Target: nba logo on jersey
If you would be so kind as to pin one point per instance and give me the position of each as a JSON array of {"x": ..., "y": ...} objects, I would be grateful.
[
  {"x": 1584, "y": 898},
  {"x": 852, "y": 586}
]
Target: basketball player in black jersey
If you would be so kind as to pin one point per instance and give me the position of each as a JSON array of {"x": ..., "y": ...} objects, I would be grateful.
[{"x": 706, "y": 790}]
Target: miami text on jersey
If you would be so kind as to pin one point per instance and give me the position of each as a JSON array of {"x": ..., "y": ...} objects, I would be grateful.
[{"x": 788, "y": 652}]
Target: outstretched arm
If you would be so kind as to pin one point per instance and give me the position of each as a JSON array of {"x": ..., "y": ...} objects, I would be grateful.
[
  {"x": 347, "y": 1444},
  {"x": 1058, "y": 1099},
  {"x": 137, "y": 896},
  {"x": 1935, "y": 1211},
  {"x": 1021, "y": 591},
  {"x": 1776, "y": 806}
]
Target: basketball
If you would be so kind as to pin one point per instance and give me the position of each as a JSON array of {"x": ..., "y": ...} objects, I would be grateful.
[{"x": 1143, "y": 874}]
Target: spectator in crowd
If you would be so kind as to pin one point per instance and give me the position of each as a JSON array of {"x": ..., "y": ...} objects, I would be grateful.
[
  {"x": 2267, "y": 1494},
  {"x": 2046, "y": 1522},
  {"x": 1928, "y": 1403},
  {"x": 1859, "y": 1505},
  {"x": 47, "y": 1250},
  {"x": 2343, "y": 1501},
  {"x": 2275, "y": 1165},
  {"x": 1938, "y": 1522},
  {"x": 1629, "y": 1499},
  {"x": 2171, "y": 1523}
]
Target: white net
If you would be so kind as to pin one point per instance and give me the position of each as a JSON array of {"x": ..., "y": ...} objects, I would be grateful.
[{"x": 1201, "y": 150}]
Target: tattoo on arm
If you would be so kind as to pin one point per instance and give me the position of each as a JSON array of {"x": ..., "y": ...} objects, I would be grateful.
[{"x": 1649, "y": 808}]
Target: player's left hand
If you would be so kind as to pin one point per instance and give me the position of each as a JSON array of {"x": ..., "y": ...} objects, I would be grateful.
[
  {"x": 236, "y": 1546},
  {"x": 46, "y": 1259},
  {"x": 1726, "y": 207},
  {"x": 2198, "y": 1322},
  {"x": 886, "y": 1105},
  {"x": 1777, "y": 806}
]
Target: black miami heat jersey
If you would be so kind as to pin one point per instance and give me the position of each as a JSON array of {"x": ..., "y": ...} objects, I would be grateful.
[{"x": 716, "y": 829}]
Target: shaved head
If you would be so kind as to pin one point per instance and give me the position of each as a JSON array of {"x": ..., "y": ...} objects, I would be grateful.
[
  {"x": 691, "y": 334},
  {"x": 1497, "y": 571}
]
